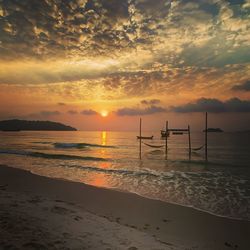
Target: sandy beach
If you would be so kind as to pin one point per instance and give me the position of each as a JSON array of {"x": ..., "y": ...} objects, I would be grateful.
[{"x": 42, "y": 213}]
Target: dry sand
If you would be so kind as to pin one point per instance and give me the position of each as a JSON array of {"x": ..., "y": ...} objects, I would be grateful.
[{"x": 41, "y": 213}]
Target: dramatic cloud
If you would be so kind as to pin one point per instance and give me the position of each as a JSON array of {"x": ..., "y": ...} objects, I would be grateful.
[
  {"x": 150, "y": 102},
  {"x": 72, "y": 112},
  {"x": 61, "y": 104},
  {"x": 137, "y": 111},
  {"x": 119, "y": 53},
  {"x": 242, "y": 87},
  {"x": 135, "y": 47},
  {"x": 214, "y": 106},
  {"x": 204, "y": 33},
  {"x": 89, "y": 112},
  {"x": 45, "y": 113}
]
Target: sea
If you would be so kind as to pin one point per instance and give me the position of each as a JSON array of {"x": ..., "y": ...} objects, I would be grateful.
[{"x": 220, "y": 185}]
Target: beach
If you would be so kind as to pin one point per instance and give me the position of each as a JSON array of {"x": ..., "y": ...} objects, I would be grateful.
[{"x": 44, "y": 213}]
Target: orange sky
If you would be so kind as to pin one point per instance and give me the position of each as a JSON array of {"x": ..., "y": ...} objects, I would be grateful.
[{"x": 156, "y": 59}]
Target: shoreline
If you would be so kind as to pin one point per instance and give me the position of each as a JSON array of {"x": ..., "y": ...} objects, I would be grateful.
[
  {"x": 176, "y": 225},
  {"x": 124, "y": 191}
]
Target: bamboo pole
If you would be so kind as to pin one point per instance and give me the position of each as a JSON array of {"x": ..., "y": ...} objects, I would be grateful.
[
  {"x": 189, "y": 142},
  {"x": 206, "y": 137},
  {"x": 140, "y": 138},
  {"x": 166, "y": 139}
]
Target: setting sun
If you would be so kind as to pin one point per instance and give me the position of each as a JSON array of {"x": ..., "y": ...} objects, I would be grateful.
[{"x": 104, "y": 113}]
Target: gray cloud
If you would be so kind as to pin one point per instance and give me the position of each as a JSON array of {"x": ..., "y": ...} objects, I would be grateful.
[
  {"x": 242, "y": 87},
  {"x": 42, "y": 28},
  {"x": 45, "y": 113},
  {"x": 140, "y": 47},
  {"x": 95, "y": 27},
  {"x": 72, "y": 112},
  {"x": 213, "y": 106},
  {"x": 150, "y": 102},
  {"x": 137, "y": 111},
  {"x": 89, "y": 112}
]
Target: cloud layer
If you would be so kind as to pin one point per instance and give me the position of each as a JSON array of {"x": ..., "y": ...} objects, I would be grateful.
[
  {"x": 88, "y": 112},
  {"x": 139, "y": 44},
  {"x": 214, "y": 106},
  {"x": 242, "y": 87},
  {"x": 94, "y": 27},
  {"x": 140, "y": 111},
  {"x": 118, "y": 53}
]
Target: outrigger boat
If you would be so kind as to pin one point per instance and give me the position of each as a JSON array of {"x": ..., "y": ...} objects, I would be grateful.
[
  {"x": 177, "y": 133},
  {"x": 145, "y": 137},
  {"x": 164, "y": 134}
]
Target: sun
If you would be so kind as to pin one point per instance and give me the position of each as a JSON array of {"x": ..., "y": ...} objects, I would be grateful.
[{"x": 104, "y": 113}]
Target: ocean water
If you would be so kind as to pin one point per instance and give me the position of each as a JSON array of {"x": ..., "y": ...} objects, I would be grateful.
[{"x": 111, "y": 159}]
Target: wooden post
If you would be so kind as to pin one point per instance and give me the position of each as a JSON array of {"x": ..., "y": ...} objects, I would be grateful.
[
  {"x": 140, "y": 138},
  {"x": 206, "y": 137},
  {"x": 189, "y": 142},
  {"x": 166, "y": 139}
]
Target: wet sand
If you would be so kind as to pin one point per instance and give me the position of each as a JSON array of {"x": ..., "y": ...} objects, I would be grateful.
[{"x": 43, "y": 213}]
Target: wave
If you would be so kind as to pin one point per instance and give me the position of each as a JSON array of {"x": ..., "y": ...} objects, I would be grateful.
[
  {"x": 42, "y": 142},
  {"x": 204, "y": 163},
  {"x": 80, "y": 145},
  {"x": 52, "y": 156}
]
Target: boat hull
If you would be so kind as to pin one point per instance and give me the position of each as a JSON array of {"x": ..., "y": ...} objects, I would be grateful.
[{"x": 145, "y": 137}]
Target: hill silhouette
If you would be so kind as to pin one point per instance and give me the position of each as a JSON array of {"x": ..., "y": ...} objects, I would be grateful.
[{"x": 17, "y": 125}]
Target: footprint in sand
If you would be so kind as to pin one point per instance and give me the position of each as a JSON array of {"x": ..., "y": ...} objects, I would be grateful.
[
  {"x": 165, "y": 220},
  {"x": 3, "y": 187},
  {"x": 35, "y": 200},
  {"x": 132, "y": 248},
  {"x": 77, "y": 218},
  {"x": 61, "y": 210},
  {"x": 34, "y": 245},
  {"x": 231, "y": 245}
]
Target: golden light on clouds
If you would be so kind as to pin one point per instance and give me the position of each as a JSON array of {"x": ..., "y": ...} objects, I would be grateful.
[{"x": 119, "y": 55}]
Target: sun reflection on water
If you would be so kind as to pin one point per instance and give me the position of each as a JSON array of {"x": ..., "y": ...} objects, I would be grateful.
[
  {"x": 104, "y": 138},
  {"x": 98, "y": 180}
]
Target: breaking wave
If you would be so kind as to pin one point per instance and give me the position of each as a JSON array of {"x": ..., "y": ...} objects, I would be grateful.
[
  {"x": 80, "y": 145},
  {"x": 52, "y": 156}
]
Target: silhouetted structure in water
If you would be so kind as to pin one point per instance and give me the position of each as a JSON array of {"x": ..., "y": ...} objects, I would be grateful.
[{"x": 17, "y": 125}]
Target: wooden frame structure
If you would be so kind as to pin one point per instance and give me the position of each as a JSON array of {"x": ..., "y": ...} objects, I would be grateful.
[
  {"x": 140, "y": 138},
  {"x": 178, "y": 131},
  {"x": 187, "y": 130},
  {"x": 181, "y": 130},
  {"x": 206, "y": 136}
]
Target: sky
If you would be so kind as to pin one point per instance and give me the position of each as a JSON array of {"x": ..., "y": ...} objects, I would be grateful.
[{"x": 102, "y": 64}]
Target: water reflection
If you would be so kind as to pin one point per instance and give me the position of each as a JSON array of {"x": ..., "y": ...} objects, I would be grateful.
[
  {"x": 98, "y": 180},
  {"x": 104, "y": 138}
]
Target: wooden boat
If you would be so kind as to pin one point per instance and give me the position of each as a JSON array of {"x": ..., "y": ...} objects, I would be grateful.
[
  {"x": 164, "y": 134},
  {"x": 145, "y": 137},
  {"x": 177, "y": 133},
  {"x": 153, "y": 146},
  {"x": 213, "y": 130}
]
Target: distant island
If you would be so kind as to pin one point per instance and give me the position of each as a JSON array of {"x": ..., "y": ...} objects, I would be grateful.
[
  {"x": 18, "y": 125},
  {"x": 216, "y": 130}
]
